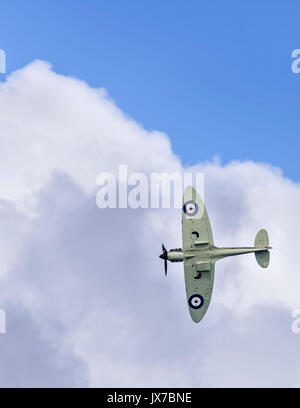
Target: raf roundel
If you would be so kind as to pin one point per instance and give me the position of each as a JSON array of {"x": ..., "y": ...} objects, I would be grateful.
[
  {"x": 190, "y": 208},
  {"x": 196, "y": 301}
]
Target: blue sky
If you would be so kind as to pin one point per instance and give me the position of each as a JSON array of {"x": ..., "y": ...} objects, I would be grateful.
[{"x": 215, "y": 76}]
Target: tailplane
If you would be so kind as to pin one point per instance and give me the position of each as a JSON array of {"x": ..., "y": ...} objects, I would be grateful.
[{"x": 262, "y": 241}]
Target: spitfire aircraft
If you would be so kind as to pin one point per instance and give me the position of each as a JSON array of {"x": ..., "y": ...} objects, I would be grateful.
[{"x": 199, "y": 254}]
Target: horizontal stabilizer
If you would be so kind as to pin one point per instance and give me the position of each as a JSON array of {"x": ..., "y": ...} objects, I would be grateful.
[
  {"x": 263, "y": 258},
  {"x": 262, "y": 241}
]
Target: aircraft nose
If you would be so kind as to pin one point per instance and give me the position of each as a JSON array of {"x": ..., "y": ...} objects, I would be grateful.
[{"x": 163, "y": 256}]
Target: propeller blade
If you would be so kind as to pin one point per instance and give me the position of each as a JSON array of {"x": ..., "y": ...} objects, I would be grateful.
[{"x": 164, "y": 256}]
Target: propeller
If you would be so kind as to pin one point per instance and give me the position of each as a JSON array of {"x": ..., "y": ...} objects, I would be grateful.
[{"x": 164, "y": 256}]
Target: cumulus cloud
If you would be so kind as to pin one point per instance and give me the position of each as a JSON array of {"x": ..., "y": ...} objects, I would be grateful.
[{"x": 87, "y": 284}]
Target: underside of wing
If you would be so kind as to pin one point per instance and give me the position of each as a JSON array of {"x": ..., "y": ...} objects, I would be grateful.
[
  {"x": 197, "y": 240},
  {"x": 199, "y": 281},
  {"x": 196, "y": 229}
]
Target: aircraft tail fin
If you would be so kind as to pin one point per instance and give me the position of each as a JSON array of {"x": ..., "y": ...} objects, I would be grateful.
[{"x": 262, "y": 241}]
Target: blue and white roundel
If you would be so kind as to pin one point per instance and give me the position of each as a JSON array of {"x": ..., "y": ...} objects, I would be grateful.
[
  {"x": 190, "y": 208},
  {"x": 196, "y": 301}
]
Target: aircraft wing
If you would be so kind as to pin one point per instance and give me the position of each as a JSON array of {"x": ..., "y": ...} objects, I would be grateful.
[
  {"x": 196, "y": 229},
  {"x": 198, "y": 268}
]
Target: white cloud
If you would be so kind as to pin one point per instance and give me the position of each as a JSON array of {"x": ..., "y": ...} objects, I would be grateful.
[
  {"x": 51, "y": 122},
  {"x": 90, "y": 280}
]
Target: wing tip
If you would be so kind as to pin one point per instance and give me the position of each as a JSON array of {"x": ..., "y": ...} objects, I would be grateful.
[{"x": 190, "y": 193}]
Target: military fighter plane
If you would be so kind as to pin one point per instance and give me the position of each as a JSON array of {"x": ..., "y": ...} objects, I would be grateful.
[{"x": 200, "y": 255}]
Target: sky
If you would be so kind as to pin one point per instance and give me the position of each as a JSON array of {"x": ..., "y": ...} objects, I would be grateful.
[
  {"x": 216, "y": 73},
  {"x": 170, "y": 86}
]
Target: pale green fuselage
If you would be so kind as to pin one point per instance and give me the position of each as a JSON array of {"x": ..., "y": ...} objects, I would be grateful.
[{"x": 210, "y": 254}]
